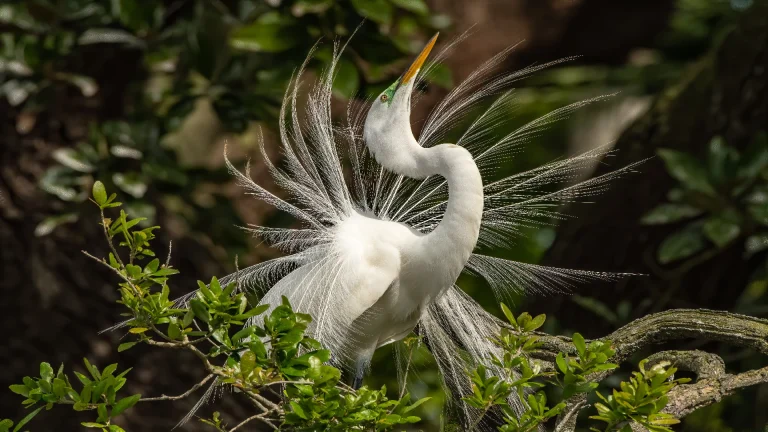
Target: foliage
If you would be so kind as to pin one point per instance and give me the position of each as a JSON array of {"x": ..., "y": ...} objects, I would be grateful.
[
  {"x": 640, "y": 400},
  {"x": 235, "y": 57},
  {"x": 720, "y": 201},
  {"x": 98, "y": 392},
  {"x": 271, "y": 361}
]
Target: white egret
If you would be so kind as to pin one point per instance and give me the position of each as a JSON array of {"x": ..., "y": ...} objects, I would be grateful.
[{"x": 382, "y": 244}]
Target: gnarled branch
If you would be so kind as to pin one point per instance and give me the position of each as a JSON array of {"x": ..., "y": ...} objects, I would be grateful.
[{"x": 712, "y": 384}]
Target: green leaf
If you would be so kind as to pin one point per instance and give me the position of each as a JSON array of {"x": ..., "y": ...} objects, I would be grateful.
[
  {"x": 668, "y": 213},
  {"x": 92, "y": 369},
  {"x": 415, "y": 404},
  {"x": 508, "y": 313},
  {"x": 19, "y": 389},
  {"x": 247, "y": 362},
  {"x": 347, "y": 79},
  {"x": 298, "y": 410},
  {"x": 258, "y": 310},
  {"x": 126, "y": 346},
  {"x": 101, "y": 409},
  {"x": 681, "y": 244},
  {"x": 561, "y": 362},
  {"x": 174, "y": 332},
  {"x": 246, "y": 331},
  {"x": 125, "y": 403},
  {"x": 722, "y": 161},
  {"x": 26, "y": 419},
  {"x": 416, "y": 6},
  {"x": 755, "y": 158},
  {"x": 5, "y": 425},
  {"x": 93, "y": 425},
  {"x": 46, "y": 371},
  {"x": 99, "y": 193},
  {"x": 687, "y": 170},
  {"x": 201, "y": 312},
  {"x": 187, "y": 320},
  {"x": 578, "y": 342},
  {"x": 379, "y": 11},
  {"x": 536, "y": 322},
  {"x": 721, "y": 230},
  {"x": 59, "y": 387},
  {"x": 271, "y": 32},
  {"x": 83, "y": 379}
]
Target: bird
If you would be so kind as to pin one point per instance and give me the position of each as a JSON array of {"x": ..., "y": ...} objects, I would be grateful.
[{"x": 387, "y": 222}]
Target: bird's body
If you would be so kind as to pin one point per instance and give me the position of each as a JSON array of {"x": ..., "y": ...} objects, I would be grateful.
[{"x": 394, "y": 272}]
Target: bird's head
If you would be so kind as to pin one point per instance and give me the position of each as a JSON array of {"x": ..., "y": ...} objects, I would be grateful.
[{"x": 387, "y": 128}]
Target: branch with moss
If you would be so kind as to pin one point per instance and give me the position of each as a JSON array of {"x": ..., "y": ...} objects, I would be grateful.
[{"x": 712, "y": 383}]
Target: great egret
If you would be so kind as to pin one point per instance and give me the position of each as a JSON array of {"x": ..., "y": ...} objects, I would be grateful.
[{"x": 383, "y": 243}]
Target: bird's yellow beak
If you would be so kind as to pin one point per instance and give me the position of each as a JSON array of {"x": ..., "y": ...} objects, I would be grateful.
[{"x": 416, "y": 65}]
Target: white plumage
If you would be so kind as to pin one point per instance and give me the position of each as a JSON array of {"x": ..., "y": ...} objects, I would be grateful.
[{"x": 382, "y": 244}]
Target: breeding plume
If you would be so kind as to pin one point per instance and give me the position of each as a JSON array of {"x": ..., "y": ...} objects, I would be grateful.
[{"x": 387, "y": 222}]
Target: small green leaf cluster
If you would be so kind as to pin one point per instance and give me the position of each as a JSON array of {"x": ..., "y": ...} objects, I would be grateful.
[
  {"x": 517, "y": 343},
  {"x": 591, "y": 358},
  {"x": 329, "y": 407},
  {"x": 98, "y": 392},
  {"x": 640, "y": 400},
  {"x": 718, "y": 201}
]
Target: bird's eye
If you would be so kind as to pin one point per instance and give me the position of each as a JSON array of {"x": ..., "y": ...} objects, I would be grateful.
[{"x": 384, "y": 98}]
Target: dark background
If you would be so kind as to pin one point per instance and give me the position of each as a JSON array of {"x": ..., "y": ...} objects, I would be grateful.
[{"x": 142, "y": 95}]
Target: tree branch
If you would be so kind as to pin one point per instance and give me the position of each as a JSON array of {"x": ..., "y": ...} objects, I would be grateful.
[
  {"x": 705, "y": 365},
  {"x": 686, "y": 398},
  {"x": 566, "y": 420},
  {"x": 675, "y": 324},
  {"x": 261, "y": 417}
]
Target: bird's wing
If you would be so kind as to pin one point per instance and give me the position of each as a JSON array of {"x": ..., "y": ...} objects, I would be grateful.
[{"x": 338, "y": 285}]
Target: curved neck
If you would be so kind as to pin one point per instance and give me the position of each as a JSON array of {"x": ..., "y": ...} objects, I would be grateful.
[
  {"x": 455, "y": 237},
  {"x": 459, "y": 229},
  {"x": 391, "y": 141}
]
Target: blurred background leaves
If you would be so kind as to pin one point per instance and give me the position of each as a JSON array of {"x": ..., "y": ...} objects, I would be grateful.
[{"x": 144, "y": 94}]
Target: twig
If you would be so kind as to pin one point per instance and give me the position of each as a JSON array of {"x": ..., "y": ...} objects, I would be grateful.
[
  {"x": 255, "y": 417},
  {"x": 117, "y": 272},
  {"x": 189, "y": 347},
  {"x": 170, "y": 248},
  {"x": 181, "y": 396},
  {"x": 109, "y": 239}
]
